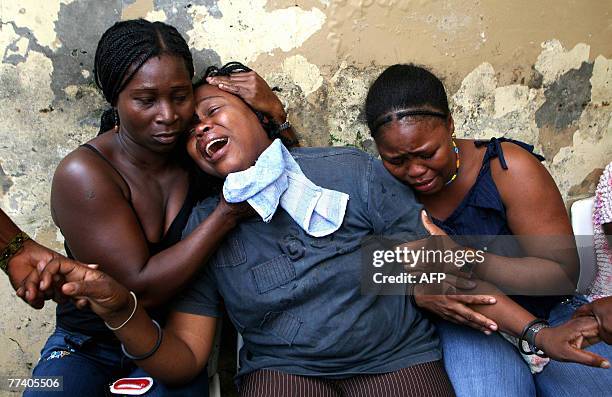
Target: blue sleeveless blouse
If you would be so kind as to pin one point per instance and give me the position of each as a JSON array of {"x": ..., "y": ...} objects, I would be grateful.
[{"x": 482, "y": 214}]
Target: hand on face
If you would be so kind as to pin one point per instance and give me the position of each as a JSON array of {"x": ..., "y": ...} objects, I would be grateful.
[
  {"x": 254, "y": 91},
  {"x": 228, "y": 137}
]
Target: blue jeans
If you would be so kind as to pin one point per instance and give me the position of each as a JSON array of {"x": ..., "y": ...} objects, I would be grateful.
[
  {"x": 481, "y": 365},
  {"x": 88, "y": 367}
]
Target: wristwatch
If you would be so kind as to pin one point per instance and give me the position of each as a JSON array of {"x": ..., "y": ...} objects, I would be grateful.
[
  {"x": 529, "y": 335},
  {"x": 285, "y": 126}
]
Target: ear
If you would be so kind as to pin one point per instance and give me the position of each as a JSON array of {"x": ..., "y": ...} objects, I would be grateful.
[{"x": 451, "y": 124}]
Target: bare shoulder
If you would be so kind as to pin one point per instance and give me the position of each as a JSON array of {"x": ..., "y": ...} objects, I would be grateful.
[
  {"x": 523, "y": 169},
  {"x": 83, "y": 179},
  {"x": 83, "y": 168}
]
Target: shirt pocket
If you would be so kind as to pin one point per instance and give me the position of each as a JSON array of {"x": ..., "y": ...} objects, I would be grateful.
[
  {"x": 282, "y": 325},
  {"x": 230, "y": 254},
  {"x": 273, "y": 274}
]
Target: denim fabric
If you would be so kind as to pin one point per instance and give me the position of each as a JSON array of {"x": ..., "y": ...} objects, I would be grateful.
[
  {"x": 478, "y": 364},
  {"x": 88, "y": 368},
  {"x": 297, "y": 300},
  {"x": 481, "y": 366}
]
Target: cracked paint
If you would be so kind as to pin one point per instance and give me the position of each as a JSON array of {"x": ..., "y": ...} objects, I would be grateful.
[
  {"x": 508, "y": 72},
  {"x": 244, "y": 33}
]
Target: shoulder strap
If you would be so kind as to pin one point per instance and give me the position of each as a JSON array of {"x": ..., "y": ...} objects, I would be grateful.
[
  {"x": 494, "y": 149},
  {"x": 99, "y": 154}
]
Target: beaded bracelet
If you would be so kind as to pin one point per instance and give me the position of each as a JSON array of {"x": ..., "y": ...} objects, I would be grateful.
[{"x": 11, "y": 249}]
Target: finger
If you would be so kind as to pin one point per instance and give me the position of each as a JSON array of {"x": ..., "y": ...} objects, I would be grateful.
[
  {"x": 229, "y": 88},
  {"x": 217, "y": 79},
  {"x": 95, "y": 290},
  {"x": 81, "y": 303},
  {"x": 448, "y": 288},
  {"x": 587, "y": 358},
  {"x": 242, "y": 77},
  {"x": 475, "y": 299},
  {"x": 584, "y": 310},
  {"x": 38, "y": 303},
  {"x": 460, "y": 282},
  {"x": 429, "y": 225},
  {"x": 31, "y": 288},
  {"x": 476, "y": 320},
  {"x": 70, "y": 269}
]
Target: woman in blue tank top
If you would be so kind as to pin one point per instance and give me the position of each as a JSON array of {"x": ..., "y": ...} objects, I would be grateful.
[{"x": 487, "y": 189}]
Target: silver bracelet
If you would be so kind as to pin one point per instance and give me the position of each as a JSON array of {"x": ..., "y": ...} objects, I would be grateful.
[{"x": 129, "y": 318}]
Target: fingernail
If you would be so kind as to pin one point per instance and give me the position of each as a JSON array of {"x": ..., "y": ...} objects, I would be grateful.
[
  {"x": 69, "y": 289},
  {"x": 28, "y": 294},
  {"x": 493, "y": 327},
  {"x": 492, "y": 300},
  {"x": 40, "y": 266},
  {"x": 487, "y": 332},
  {"x": 221, "y": 85},
  {"x": 605, "y": 364}
]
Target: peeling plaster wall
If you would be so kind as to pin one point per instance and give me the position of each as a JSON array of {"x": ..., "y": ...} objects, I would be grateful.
[{"x": 536, "y": 71}]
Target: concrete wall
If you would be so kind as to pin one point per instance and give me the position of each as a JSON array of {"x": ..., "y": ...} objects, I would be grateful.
[{"x": 537, "y": 71}]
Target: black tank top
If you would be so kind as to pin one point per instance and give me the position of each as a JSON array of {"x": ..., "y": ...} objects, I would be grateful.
[{"x": 86, "y": 321}]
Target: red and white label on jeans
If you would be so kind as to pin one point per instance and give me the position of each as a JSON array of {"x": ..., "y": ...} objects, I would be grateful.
[{"x": 131, "y": 386}]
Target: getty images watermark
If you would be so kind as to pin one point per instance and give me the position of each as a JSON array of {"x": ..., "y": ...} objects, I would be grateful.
[
  {"x": 393, "y": 265},
  {"x": 423, "y": 259}
]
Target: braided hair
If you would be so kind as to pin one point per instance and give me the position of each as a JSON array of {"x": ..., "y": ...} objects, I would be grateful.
[
  {"x": 124, "y": 48},
  {"x": 400, "y": 87},
  {"x": 269, "y": 125}
]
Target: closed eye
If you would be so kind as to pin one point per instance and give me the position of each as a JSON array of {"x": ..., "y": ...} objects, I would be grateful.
[
  {"x": 212, "y": 110},
  {"x": 146, "y": 101},
  {"x": 395, "y": 161}
]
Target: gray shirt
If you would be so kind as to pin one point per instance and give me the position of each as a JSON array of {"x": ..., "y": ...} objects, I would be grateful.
[{"x": 297, "y": 299}]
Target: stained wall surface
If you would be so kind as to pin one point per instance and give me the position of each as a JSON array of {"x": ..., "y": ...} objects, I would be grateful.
[{"x": 536, "y": 71}]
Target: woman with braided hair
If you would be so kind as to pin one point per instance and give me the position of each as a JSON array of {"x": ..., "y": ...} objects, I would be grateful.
[{"x": 122, "y": 199}]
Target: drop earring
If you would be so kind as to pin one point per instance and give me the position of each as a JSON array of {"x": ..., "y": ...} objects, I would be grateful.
[{"x": 116, "y": 119}]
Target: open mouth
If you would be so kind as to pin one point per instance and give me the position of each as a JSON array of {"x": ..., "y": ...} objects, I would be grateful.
[
  {"x": 215, "y": 145},
  {"x": 424, "y": 186}
]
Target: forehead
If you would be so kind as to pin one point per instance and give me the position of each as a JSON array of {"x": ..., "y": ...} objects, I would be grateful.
[
  {"x": 162, "y": 70},
  {"x": 207, "y": 90},
  {"x": 408, "y": 136}
]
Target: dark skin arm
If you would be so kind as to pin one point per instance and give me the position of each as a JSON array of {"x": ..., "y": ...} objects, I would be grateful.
[
  {"x": 22, "y": 271},
  {"x": 562, "y": 343},
  {"x": 187, "y": 339},
  {"x": 117, "y": 241},
  {"x": 84, "y": 188},
  {"x": 535, "y": 210},
  {"x": 8, "y": 230}
]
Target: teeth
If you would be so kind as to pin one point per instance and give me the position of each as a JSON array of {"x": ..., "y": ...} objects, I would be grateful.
[{"x": 210, "y": 154}]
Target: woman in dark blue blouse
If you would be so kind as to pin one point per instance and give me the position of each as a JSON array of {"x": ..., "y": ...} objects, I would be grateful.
[{"x": 486, "y": 189}]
